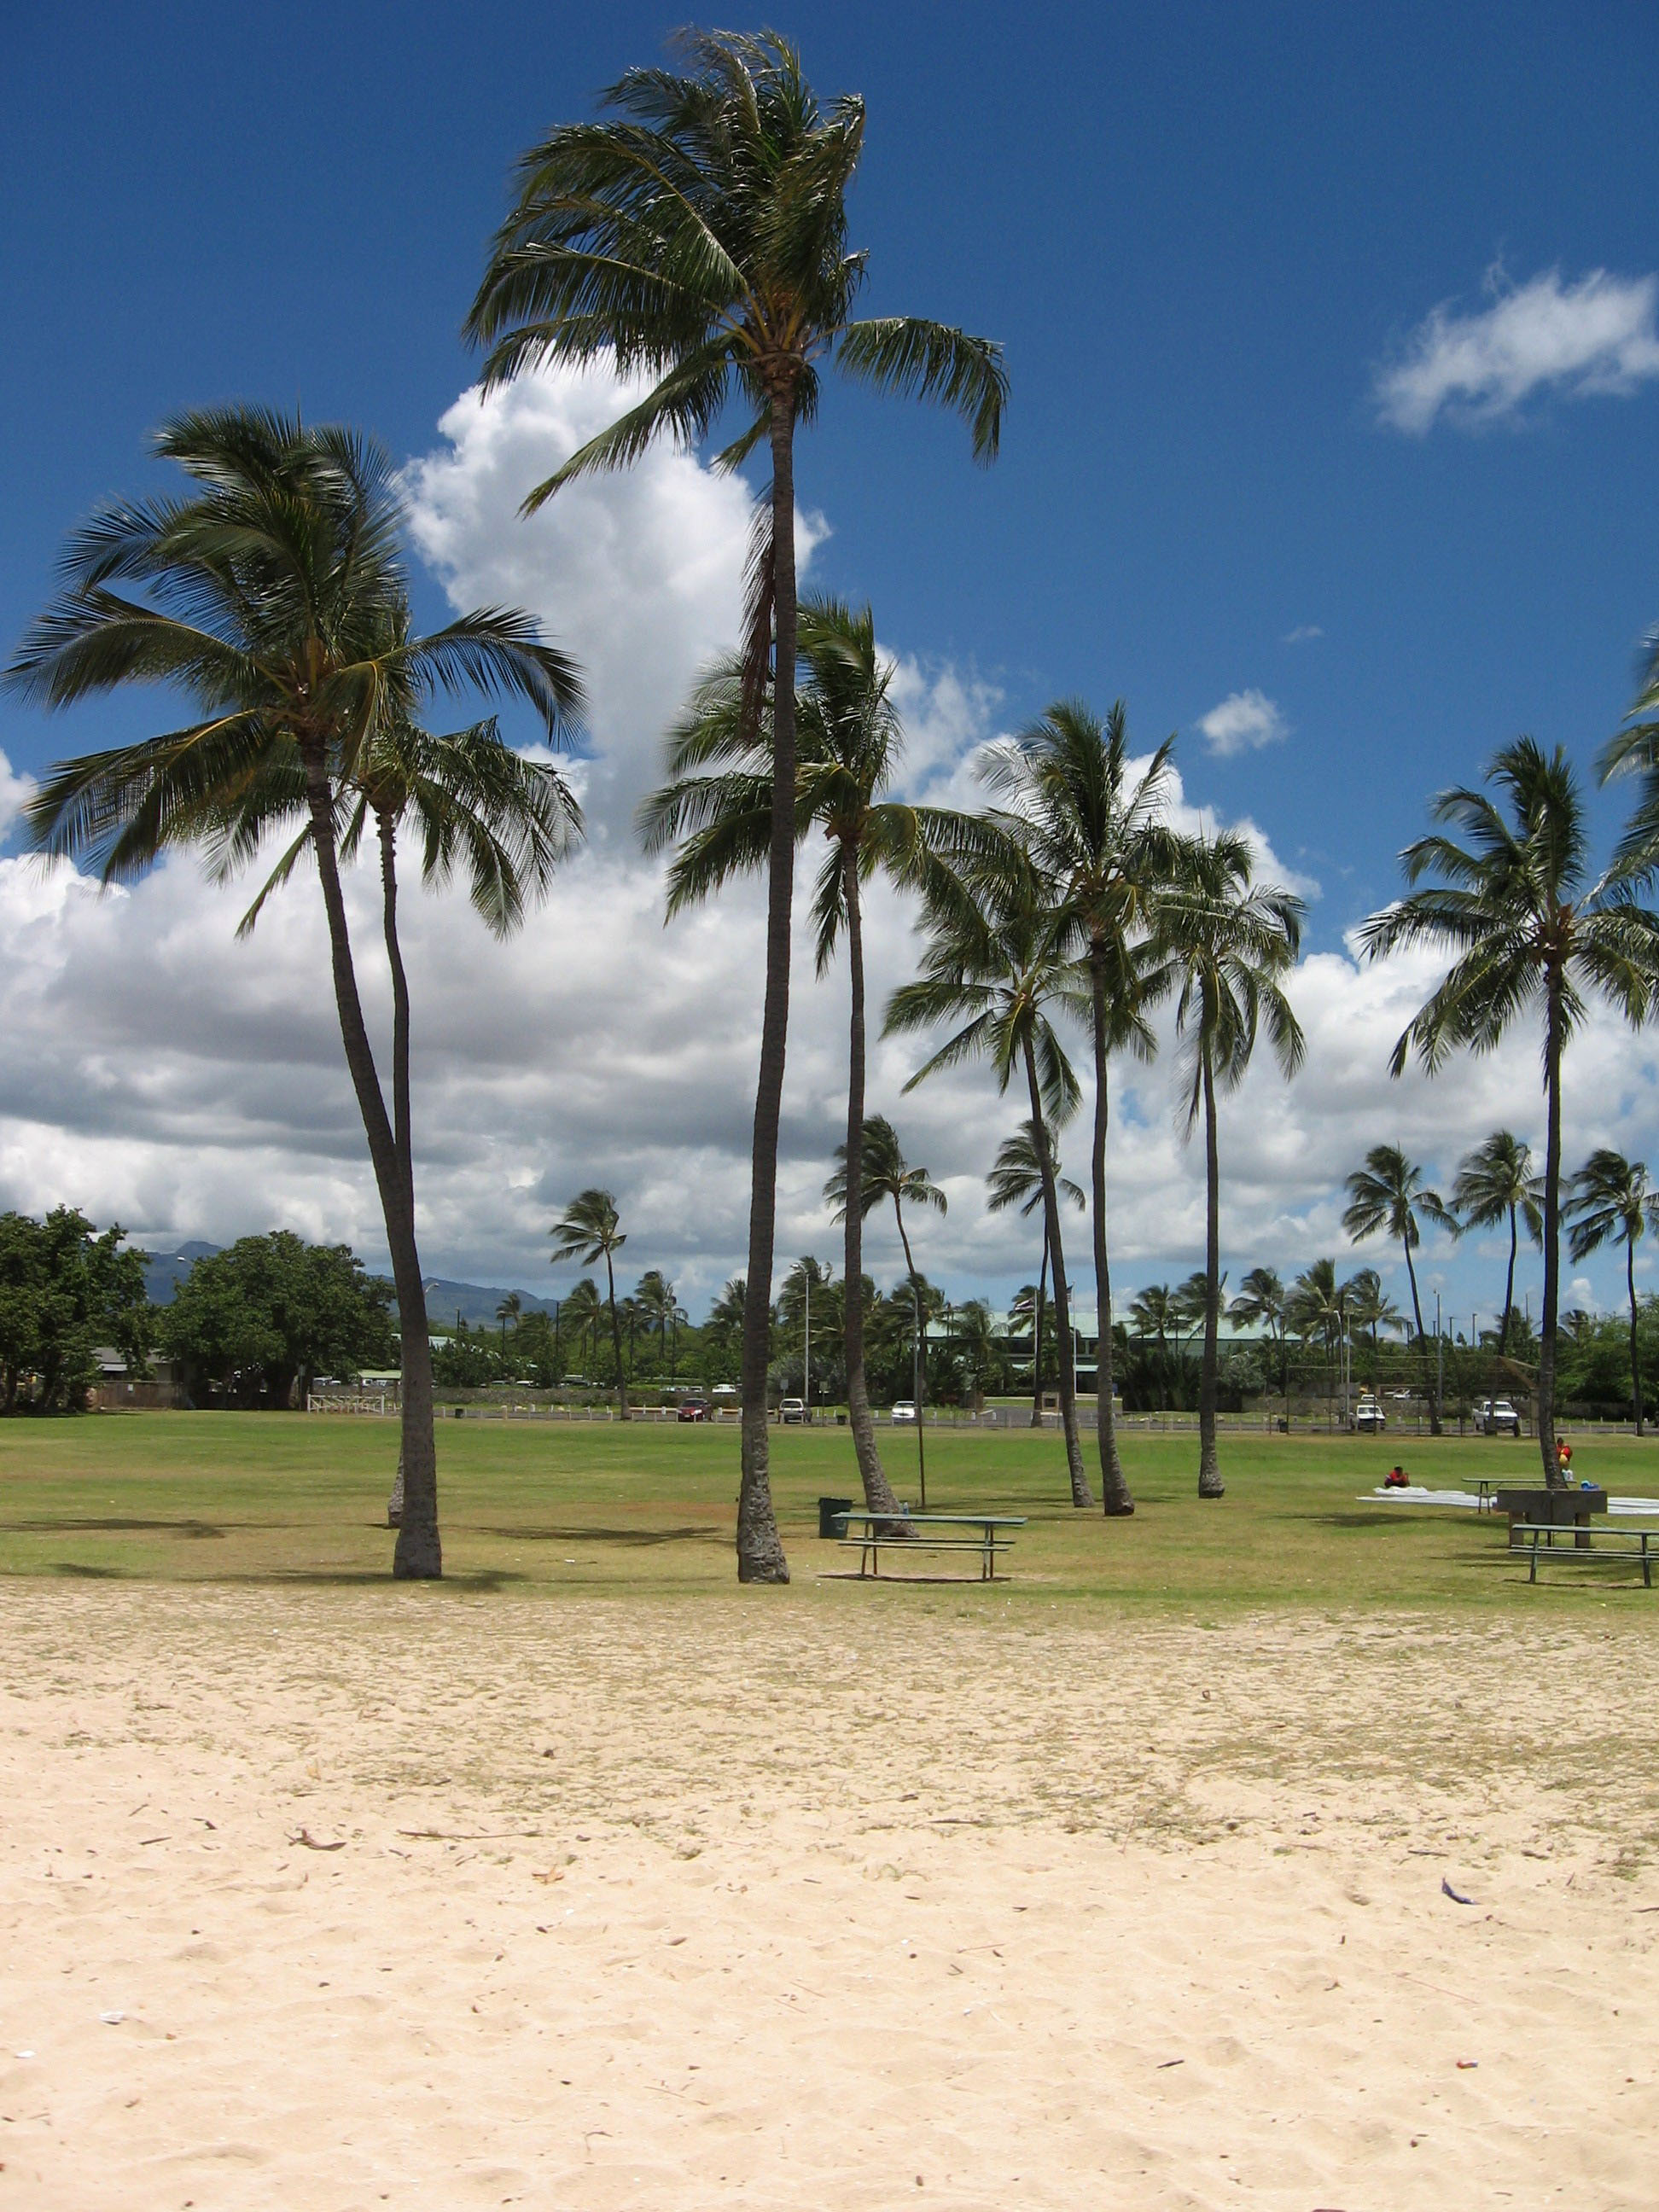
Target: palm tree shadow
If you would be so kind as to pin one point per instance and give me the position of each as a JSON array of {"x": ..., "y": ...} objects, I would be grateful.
[{"x": 627, "y": 1538}]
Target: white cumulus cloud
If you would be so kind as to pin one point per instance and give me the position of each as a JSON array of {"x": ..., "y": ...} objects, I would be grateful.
[
  {"x": 16, "y": 792},
  {"x": 1243, "y": 723},
  {"x": 1596, "y": 336}
]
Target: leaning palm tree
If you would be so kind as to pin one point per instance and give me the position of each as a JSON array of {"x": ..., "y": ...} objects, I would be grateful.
[
  {"x": 274, "y": 597},
  {"x": 1098, "y": 838},
  {"x": 1260, "y": 1304},
  {"x": 1016, "y": 1179},
  {"x": 590, "y": 1230},
  {"x": 1229, "y": 940},
  {"x": 697, "y": 236},
  {"x": 885, "y": 1174},
  {"x": 718, "y": 803},
  {"x": 1612, "y": 1202},
  {"x": 1496, "y": 1182},
  {"x": 1389, "y": 1194},
  {"x": 993, "y": 964},
  {"x": 1530, "y": 930}
]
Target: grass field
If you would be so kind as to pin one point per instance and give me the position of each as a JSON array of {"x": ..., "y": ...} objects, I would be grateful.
[{"x": 275, "y": 1499}]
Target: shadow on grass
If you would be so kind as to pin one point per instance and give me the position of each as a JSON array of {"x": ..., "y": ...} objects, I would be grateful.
[
  {"x": 71, "y": 1525},
  {"x": 484, "y": 1580},
  {"x": 628, "y": 1538},
  {"x": 77, "y": 1573}
]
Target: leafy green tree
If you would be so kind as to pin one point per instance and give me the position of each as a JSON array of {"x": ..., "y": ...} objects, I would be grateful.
[
  {"x": 1016, "y": 1179},
  {"x": 264, "y": 1317},
  {"x": 65, "y": 1292},
  {"x": 1529, "y": 930},
  {"x": 1228, "y": 939},
  {"x": 1496, "y": 1182},
  {"x": 1612, "y": 1202},
  {"x": 590, "y": 1230},
  {"x": 1260, "y": 1303},
  {"x": 1389, "y": 1193},
  {"x": 274, "y": 598},
  {"x": 698, "y": 236},
  {"x": 1099, "y": 841}
]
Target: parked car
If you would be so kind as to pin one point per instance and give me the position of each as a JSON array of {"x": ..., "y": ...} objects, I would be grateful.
[
  {"x": 904, "y": 1410},
  {"x": 1369, "y": 1418},
  {"x": 693, "y": 1409},
  {"x": 794, "y": 1410},
  {"x": 1496, "y": 1417}
]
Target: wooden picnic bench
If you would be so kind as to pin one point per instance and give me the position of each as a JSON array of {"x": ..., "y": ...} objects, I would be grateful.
[
  {"x": 1614, "y": 1543},
  {"x": 879, "y": 1530}
]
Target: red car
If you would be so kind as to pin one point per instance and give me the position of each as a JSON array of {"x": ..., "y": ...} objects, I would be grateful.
[{"x": 693, "y": 1409}]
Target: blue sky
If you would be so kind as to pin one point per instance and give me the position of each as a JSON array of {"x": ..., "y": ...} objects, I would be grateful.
[{"x": 1201, "y": 233}]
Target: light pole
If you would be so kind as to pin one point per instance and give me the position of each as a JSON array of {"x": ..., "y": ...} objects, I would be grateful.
[
  {"x": 1439, "y": 1357},
  {"x": 806, "y": 1341}
]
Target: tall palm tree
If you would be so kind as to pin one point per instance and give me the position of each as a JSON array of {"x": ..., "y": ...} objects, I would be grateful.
[
  {"x": 725, "y": 1320},
  {"x": 1228, "y": 939},
  {"x": 1529, "y": 930},
  {"x": 590, "y": 1230},
  {"x": 886, "y": 1174},
  {"x": 1098, "y": 839},
  {"x": 274, "y": 599},
  {"x": 1496, "y": 1183},
  {"x": 580, "y": 1311},
  {"x": 1370, "y": 1307},
  {"x": 1389, "y": 1193},
  {"x": 1153, "y": 1313},
  {"x": 1612, "y": 1202},
  {"x": 659, "y": 1309},
  {"x": 1317, "y": 1310},
  {"x": 698, "y": 236},
  {"x": 509, "y": 1310},
  {"x": 717, "y": 802},
  {"x": 1016, "y": 1179},
  {"x": 1260, "y": 1304},
  {"x": 992, "y": 963}
]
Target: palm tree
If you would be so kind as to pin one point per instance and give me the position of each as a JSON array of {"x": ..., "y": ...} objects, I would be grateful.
[
  {"x": 885, "y": 1173},
  {"x": 276, "y": 598},
  {"x": 1529, "y": 930},
  {"x": 726, "y": 1316},
  {"x": 1496, "y": 1182},
  {"x": 1370, "y": 1307},
  {"x": 717, "y": 802},
  {"x": 581, "y": 1311},
  {"x": 509, "y": 1310},
  {"x": 589, "y": 1230},
  {"x": 978, "y": 1355},
  {"x": 1228, "y": 939},
  {"x": 1317, "y": 1310},
  {"x": 698, "y": 236},
  {"x": 1099, "y": 842},
  {"x": 1612, "y": 1202},
  {"x": 1016, "y": 1179},
  {"x": 992, "y": 963},
  {"x": 658, "y": 1308},
  {"x": 1153, "y": 1313},
  {"x": 1260, "y": 1304},
  {"x": 1387, "y": 1193}
]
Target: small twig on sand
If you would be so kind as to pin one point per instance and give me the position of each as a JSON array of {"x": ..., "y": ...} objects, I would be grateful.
[{"x": 311, "y": 1842}]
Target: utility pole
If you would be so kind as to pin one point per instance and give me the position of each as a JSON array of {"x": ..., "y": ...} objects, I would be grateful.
[
  {"x": 1439, "y": 1359},
  {"x": 806, "y": 1350}
]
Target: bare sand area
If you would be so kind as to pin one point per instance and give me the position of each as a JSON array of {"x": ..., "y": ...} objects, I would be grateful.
[{"x": 831, "y": 1898}]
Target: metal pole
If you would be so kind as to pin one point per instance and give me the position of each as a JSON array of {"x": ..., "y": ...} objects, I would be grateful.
[
  {"x": 1439, "y": 1356},
  {"x": 807, "y": 1352},
  {"x": 921, "y": 1449}
]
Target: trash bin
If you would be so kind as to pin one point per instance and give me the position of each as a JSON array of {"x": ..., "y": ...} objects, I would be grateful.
[{"x": 832, "y": 1516}]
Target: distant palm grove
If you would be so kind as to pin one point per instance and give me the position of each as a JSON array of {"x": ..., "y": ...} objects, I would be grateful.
[{"x": 696, "y": 237}]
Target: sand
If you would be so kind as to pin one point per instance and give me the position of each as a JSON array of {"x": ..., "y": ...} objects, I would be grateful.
[{"x": 834, "y": 1898}]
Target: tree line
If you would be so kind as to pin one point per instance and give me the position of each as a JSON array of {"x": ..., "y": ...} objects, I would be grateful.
[{"x": 696, "y": 236}]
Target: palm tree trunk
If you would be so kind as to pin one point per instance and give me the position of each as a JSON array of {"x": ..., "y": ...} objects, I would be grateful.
[
  {"x": 1284, "y": 1369},
  {"x": 1553, "y": 1477},
  {"x": 616, "y": 1340},
  {"x": 1635, "y": 1359},
  {"x": 1422, "y": 1342},
  {"x": 419, "y": 1554},
  {"x": 400, "y": 1113},
  {"x": 920, "y": 1383},
  {"x": 1081, "y": 1493},
  {"x": 760, "y": 1549},
  {"x": 1036, "y": 1331},
  {"x": 878, "y": 1490},
  {"x": 1210, "y": 1484},
  {"x": 1508, "y": 1286},
  {"x": 1114, "y": 1488}
]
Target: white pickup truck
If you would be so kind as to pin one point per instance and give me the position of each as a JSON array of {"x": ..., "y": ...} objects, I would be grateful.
[{"x": 1496, "y": 1417}]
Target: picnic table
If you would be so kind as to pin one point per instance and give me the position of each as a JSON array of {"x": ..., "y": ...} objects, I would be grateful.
[
  {"x": 878, "y": 1530},
  {"x": 1626, "y": 1543}
]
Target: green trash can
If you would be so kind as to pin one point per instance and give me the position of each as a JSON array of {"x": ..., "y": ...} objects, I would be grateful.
[{"x": 832, "y": 1516}]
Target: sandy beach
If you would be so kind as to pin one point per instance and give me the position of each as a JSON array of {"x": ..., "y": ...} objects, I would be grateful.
[{"x": 831, "y": 1899}]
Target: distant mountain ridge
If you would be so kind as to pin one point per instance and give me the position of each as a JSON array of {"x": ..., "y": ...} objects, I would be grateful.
[{"x": 476, "y": 1303}]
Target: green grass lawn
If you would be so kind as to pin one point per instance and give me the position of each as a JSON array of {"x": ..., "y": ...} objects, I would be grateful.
[{"x": 279, "y": 1499}]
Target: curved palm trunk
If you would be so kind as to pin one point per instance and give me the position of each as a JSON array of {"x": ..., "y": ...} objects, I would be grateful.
[
  {"x": 878, "y": 1490},
  {"x": 1036, "y": 1332},
  {"x": 419, "y": 1554},
  {"x": 1210, "y": 1484},
  {"x": 1422, "y": 1342},
  {"x": 920, "y": 1360},
  {"x": 1635, "y": 1357},
  {"x": 623, "y": 1413},
  {"x": 760, "y": 1549},
  {"x": 400, "y": 1113},
  {"x": 1553, "y": 1477},
  {"x": 1284, "y": 1370},
  {"x": 1114, "y": 1488},
  {"x": 1081, "y": 1493},
  {"x": 1509, "y": 1285}
]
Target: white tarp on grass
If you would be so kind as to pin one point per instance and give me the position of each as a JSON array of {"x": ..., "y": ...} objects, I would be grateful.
[{"x": 1418, "y": 1494}]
